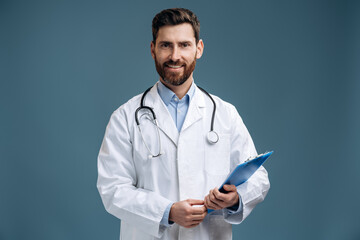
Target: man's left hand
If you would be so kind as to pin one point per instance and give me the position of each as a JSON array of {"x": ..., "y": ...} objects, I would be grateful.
[{"x": 216, "y": 200}]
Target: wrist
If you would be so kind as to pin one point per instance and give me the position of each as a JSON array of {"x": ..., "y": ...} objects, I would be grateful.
[
  {"x": 171, "y": 213},
  {"x": 237, "y": 199},
  {"x": 165, "y": 219},
  {"x": 235, "y": 203}
]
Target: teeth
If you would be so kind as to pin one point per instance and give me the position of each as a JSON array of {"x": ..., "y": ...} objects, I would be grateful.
[{"x": 171, "y": 66}]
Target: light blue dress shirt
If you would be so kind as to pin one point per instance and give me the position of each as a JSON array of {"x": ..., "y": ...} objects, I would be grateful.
[{"x": 178, "y": 109}]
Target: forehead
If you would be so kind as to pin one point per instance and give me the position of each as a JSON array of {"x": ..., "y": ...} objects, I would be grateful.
[{"x": 177, "y": 33}]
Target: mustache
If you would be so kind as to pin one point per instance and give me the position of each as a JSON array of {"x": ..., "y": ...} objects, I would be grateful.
[{"x": 174, "y": 63}]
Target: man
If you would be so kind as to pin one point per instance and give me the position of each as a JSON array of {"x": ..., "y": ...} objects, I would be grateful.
[{"x": 160, "y": 181}]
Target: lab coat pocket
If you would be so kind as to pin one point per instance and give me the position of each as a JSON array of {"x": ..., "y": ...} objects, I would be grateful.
[{"x": 217, "y": 156}]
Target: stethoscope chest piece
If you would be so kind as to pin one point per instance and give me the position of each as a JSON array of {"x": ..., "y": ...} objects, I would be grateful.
[{"x": 212, "y": 137}]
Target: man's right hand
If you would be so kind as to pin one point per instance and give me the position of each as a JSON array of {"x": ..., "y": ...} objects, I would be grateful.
[{"x": 186, "y": 215}]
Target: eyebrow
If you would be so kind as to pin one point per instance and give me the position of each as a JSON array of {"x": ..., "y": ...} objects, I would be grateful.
[
  {"x": 181, "y": 42},
  {"x": 188, "y": 42},
  {"x": 165, "y": 42}
]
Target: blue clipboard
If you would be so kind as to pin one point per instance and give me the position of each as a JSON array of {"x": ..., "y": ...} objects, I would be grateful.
[{"x": 244, "y": 171}]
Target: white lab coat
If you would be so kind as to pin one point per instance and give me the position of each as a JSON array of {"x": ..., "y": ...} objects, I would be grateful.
[{"x": 137, "y": 189}]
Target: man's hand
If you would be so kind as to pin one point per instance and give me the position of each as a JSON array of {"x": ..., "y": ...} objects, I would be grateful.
[
  {"x": 187, "y": 215},
  {"x": 216, "y": 200}
]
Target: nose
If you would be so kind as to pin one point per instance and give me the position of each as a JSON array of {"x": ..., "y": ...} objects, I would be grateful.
[{"x": 175, "y": 54}]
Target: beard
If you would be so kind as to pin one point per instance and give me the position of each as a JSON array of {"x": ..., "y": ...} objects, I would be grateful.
[{"x": 174, "y": 78}]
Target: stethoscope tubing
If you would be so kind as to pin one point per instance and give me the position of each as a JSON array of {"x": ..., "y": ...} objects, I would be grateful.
[
  {"x": 214, "y": 108},
  {"x": 212, "y": 136}
]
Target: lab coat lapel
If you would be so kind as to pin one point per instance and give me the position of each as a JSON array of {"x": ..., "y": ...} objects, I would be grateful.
[
  {"x": 164, "y": 119},
  {"x": 194, "y": 113}
]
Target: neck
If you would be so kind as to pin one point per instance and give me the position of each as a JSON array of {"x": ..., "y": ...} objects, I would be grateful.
[{"x": 180, "y": 90}]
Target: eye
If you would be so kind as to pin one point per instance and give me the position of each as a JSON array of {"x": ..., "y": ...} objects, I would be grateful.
[
  {"x": 164, "y": 45},
  {"x": 185, "y": 45}
]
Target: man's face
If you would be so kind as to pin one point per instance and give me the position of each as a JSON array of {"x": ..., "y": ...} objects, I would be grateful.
[{"x": 175, "y": 53}]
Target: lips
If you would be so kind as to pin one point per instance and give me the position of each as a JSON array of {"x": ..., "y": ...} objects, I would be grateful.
[{"x": 174, "y": 65}]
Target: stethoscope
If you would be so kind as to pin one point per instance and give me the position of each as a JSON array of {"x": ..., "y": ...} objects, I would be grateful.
[{"x": 212, "y": 136}]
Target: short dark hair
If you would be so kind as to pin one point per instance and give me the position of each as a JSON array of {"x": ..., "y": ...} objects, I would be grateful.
[{"x": 175, "y": 16}]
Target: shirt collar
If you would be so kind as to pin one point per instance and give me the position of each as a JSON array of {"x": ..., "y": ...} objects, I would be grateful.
[{"x": 166, "y": 94}]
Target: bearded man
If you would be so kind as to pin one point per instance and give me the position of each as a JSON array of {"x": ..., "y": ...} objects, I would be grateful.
[{"x": 167, "y": 150}]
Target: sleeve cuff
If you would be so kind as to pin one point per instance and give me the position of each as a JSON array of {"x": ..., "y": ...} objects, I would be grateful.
[
  {"x": 237, "y": 208},
  {"x": 165, "y": 219}
]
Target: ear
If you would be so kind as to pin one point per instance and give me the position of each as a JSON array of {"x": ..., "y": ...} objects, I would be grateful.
[
  {"x": 199, "y": 49},
  {"x": 152, "y": 49}
]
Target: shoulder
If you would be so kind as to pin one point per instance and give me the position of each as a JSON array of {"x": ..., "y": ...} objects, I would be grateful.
[
  {"x": 130, "y": 105},
  {"x": 222, "y": 103},
  {"x": 227, "y": 117},
  {"x": 123, "y": 118},
  {"x": 228, "y": 109},
  {"x": 223, "y": 107},
  {"x": 126, "y": 111}
]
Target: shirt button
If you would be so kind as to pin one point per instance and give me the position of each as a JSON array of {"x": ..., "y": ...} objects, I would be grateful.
[{"x": 176, "y": 99}]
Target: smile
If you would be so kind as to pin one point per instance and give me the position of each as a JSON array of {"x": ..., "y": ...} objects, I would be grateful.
[{"x": 173, "y": 66}]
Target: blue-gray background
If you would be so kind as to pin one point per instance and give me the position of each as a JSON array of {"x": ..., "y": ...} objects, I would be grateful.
[{"x": 290, "y": 67}]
